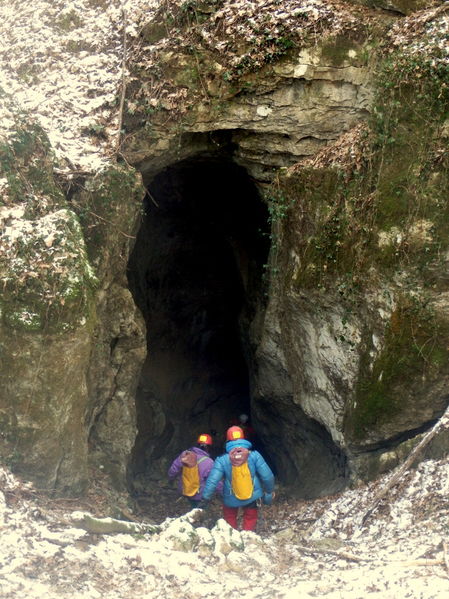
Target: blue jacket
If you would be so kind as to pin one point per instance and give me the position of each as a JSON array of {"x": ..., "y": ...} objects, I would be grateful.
[{"x": 263, "y": 479}]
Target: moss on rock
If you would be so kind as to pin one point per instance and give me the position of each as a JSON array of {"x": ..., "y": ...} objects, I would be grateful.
[
  {"x": 48, "y": 283},
  {"x": 27, "y": 165},
  {"x": 365, "y": 211},
  {"x": 107, "y": 208},
  {"x": 341, "y": 50},
  {"x": 46, "y": 277},
  {"x": 372, "y": 214},
  {"x": 413, "y": 356}
]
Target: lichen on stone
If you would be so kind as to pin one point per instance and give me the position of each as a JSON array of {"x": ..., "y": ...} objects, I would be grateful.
[{"x": 47, "y": 279}]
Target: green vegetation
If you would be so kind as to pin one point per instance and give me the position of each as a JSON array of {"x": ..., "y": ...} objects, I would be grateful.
[
  {"x": 174, "y": 17},
  {"x": 388, "y": 208},
  {"x": 27, "y": 165},
  {"x": 414, "y": 352},
  {"x": 107, "y": 208},
  {"x": 377, "y": 217},
  {"x": 278, "y": 209}
]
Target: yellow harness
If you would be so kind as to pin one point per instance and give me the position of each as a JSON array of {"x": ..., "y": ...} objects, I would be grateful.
[
  {"x": 191, "y": 479},
  {"x": 242, "y": 483}
]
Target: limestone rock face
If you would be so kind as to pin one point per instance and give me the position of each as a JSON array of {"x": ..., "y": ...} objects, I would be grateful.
[
  {"x": 292, "y": 110},
  {"x": 71, "y": 339},
  {"x": 109, "y": 209},
  {"x": 300, "y": 376},
  {"x": 113, "y": 375},
  {"x": 47, "y": 311}
]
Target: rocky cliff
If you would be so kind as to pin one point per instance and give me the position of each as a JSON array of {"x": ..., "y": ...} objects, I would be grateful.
[{"x": 269, "y": 236}]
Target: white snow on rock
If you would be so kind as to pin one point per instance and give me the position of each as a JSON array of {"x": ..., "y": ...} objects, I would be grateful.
[
  {"x": 61, "y": 60},
  {"x": 400, "y": 552}
]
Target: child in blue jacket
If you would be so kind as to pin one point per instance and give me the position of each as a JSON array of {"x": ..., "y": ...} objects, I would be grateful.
[{"x": 261, "y": 480}]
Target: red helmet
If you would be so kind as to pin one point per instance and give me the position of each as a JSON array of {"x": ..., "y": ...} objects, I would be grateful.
[
  {"x": 233, "y": 433},
  {"x": 204, "y": 439}
]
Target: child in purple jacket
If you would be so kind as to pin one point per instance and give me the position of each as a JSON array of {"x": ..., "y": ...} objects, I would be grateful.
[{"x": 192, "y": 468}]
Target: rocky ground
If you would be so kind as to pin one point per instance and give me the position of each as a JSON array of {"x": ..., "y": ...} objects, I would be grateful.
[{"x": 301, "y": 549}]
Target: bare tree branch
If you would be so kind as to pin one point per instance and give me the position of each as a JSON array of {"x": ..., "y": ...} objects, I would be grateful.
[
  {"x": 123, "y": 84},
  {"x": 442, "y": 423}
]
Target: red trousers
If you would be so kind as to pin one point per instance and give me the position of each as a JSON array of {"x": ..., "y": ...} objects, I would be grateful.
[{"x": 249, "y": 516}]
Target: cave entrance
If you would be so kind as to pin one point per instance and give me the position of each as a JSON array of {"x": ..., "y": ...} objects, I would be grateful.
[{"x": 196, "y": 273}]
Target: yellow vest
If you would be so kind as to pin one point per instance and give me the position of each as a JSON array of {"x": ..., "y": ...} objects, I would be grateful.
[
  {"x": 191, "y": 479},
  {"x": 242, "y": 483}
]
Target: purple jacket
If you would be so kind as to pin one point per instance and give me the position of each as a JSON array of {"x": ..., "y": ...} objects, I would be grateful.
[{"x": 204, "y": 467}]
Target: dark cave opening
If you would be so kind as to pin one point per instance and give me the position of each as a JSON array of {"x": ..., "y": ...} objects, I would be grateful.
[{"x": 196, "y": 273}]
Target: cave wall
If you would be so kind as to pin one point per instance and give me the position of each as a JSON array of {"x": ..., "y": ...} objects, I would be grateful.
[
  {"x": 109, "y": 209},
  {"x": 47, "y": 313},
  {"x": 364, "y": 282},
  {"x": 297, "y": 106},
  {"x": 72, "y": 339}
]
